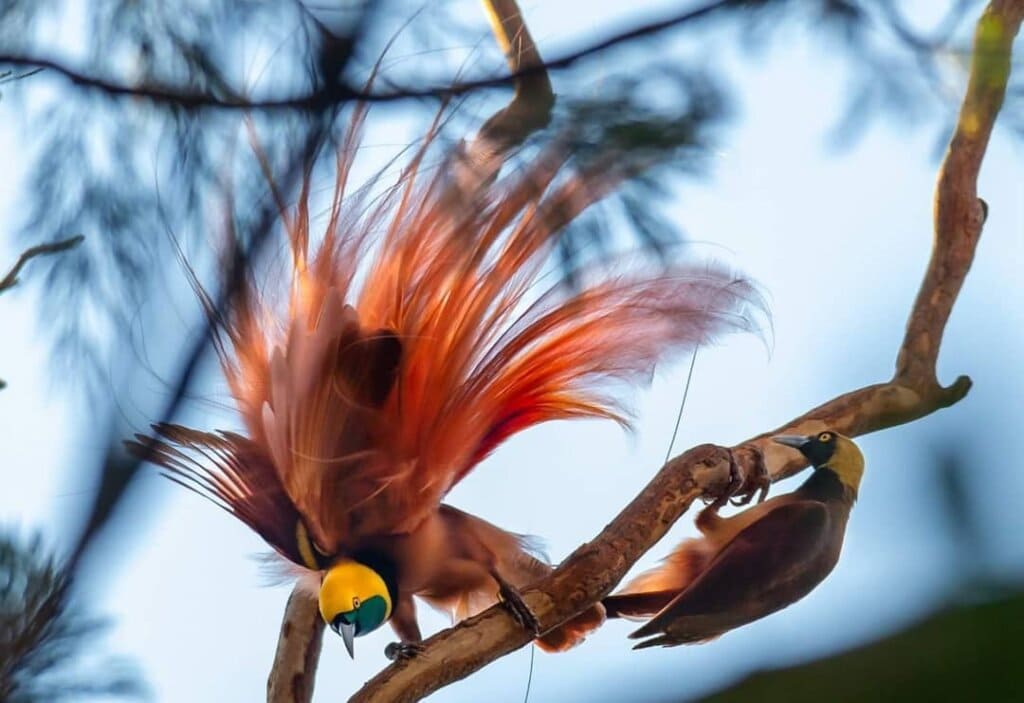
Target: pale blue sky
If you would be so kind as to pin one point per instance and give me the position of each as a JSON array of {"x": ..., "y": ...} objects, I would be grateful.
[{"x": 838, "y": 240}]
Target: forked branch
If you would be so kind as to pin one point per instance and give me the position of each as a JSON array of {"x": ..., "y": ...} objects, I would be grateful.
[{"x": 594, "y": 569}]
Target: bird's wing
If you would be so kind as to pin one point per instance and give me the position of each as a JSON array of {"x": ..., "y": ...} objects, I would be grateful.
[
  {"x": 753, "y": 569},
  {"x": 473, "y": 551},
  {"x": 232, "y": 472}
]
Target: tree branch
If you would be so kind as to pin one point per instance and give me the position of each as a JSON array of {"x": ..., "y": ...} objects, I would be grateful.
[
  {"x": 11, "y": 279},
  {"x": 479, "y": 160},
  {"x": 298, "y": 650},
  {"x": 596, "y": 567},
  {"x": 339, "y": 92}
]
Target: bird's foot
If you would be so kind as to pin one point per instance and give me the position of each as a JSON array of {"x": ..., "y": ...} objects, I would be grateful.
[
  {"x": 513, "y": 600},
  {"x": 748, "y": 476},
  {"x": 400, "y": 651},
  {"x": 755, "y": 478}
]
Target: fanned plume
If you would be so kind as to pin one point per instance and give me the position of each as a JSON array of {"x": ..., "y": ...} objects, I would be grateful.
[{"x": 414, "y": 340}]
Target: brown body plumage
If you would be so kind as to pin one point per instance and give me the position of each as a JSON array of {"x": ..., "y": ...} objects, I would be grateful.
[
  {"x": 410, "y": 346},
  {"x": 751, "y": 564}
]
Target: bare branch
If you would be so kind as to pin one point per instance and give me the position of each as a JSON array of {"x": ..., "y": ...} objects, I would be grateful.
[
  {"x": 11, "y": 76},
  {"x": 529, "y": 110},
  {"x": 298, "y": 650},
  {"x": 11, "y": 279},
  {"x": 339, "y": 92},
  {"x": 595, "y": 568}
]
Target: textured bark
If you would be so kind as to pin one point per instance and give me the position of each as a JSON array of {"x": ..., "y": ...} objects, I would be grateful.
[
  {"x": 298, "y": 650},
  {"x": 595, "y": 568}
]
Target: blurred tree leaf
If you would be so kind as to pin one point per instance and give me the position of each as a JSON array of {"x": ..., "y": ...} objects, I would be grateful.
[
  {"x": 968, "y": 652},
  {"x": 47, "y": 644}
]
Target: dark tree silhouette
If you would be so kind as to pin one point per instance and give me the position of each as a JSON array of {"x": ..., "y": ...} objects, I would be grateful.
[{"x": 45, "y": 637}]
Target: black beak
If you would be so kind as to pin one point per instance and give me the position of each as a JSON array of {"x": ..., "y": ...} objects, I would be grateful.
[
  {"x": 347, "y": 631},
  {"x": 792, "y": 440}
]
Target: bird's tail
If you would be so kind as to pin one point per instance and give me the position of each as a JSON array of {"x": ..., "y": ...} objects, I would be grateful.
[
  {"x": 635, "y": 606},
  {"x": 571, "y": 633},
  {"x": 652, "y": 590}
]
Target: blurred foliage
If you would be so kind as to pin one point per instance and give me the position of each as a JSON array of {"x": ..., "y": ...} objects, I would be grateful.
[
  {"x": 130, "y": 172},
  {"x": 47, "y": 643},
  {"x": 967, "y": 652}
]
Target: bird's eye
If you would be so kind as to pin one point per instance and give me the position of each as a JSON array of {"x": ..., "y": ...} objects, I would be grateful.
[
  {"x": 355, "y": 603},
  {"x": 825, "y": 437}
]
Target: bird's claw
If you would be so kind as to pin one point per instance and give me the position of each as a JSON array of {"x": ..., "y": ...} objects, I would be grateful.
[
  {"x": 400, "y": 651},
  {"x": 744, "y": 484},
  {"x": 756, "y": 482},
  {"x": 520, "y": 611}
]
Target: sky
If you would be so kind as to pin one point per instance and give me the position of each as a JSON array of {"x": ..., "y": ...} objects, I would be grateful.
[{"x": 838, "y": 238}]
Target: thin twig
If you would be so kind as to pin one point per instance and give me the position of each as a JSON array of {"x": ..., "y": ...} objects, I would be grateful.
[
  {"x": 595, "y": 568},
  {"x": 11, "y": 76},
  {"x": 11, "y": 279}
]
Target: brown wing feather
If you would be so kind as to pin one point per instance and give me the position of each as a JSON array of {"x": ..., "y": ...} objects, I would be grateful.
[
  {"x": 328, "y": 432},
  {"x": 764, "y": 568},
  {"x": 480, "y": 548},
  {"x": 230, "y": 471}
]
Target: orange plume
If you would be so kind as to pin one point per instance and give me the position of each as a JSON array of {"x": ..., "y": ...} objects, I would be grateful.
[{"x": 415, "y": 341}]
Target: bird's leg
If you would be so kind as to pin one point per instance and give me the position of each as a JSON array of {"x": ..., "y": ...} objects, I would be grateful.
[
  {"x": 756, "y": 481},
  {"x": 735, "y": 482},
  {"x": 403, "y": 622},
  {"x": 513, "y": 600}
]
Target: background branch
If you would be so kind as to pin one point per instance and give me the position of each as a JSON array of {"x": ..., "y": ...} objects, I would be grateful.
[
  {"x": 478, "y": 161},
  {"x": 11, "y": 279},
  {"x": 298, "y": 650},
  {"x": 340, "y": 92},
  {"x": 596, "y": 567}
]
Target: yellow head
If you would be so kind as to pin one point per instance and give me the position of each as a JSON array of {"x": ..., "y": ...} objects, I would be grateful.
[
  {"x": 354, "y": 600},
  {"x": 830, "y": 450}
]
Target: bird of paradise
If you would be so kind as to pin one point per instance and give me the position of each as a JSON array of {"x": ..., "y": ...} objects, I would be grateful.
[{"x": 413, "y": 341}]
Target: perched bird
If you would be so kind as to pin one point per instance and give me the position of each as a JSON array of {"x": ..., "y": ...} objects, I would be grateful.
[
  {"x": 409, "y": 343},
  {"x": 753, "y": 563}
]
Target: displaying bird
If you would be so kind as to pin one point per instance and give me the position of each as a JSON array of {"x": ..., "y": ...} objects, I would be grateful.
[
  {"x": 753, "y": 563},
  {"x": 406, "y": 346}
]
